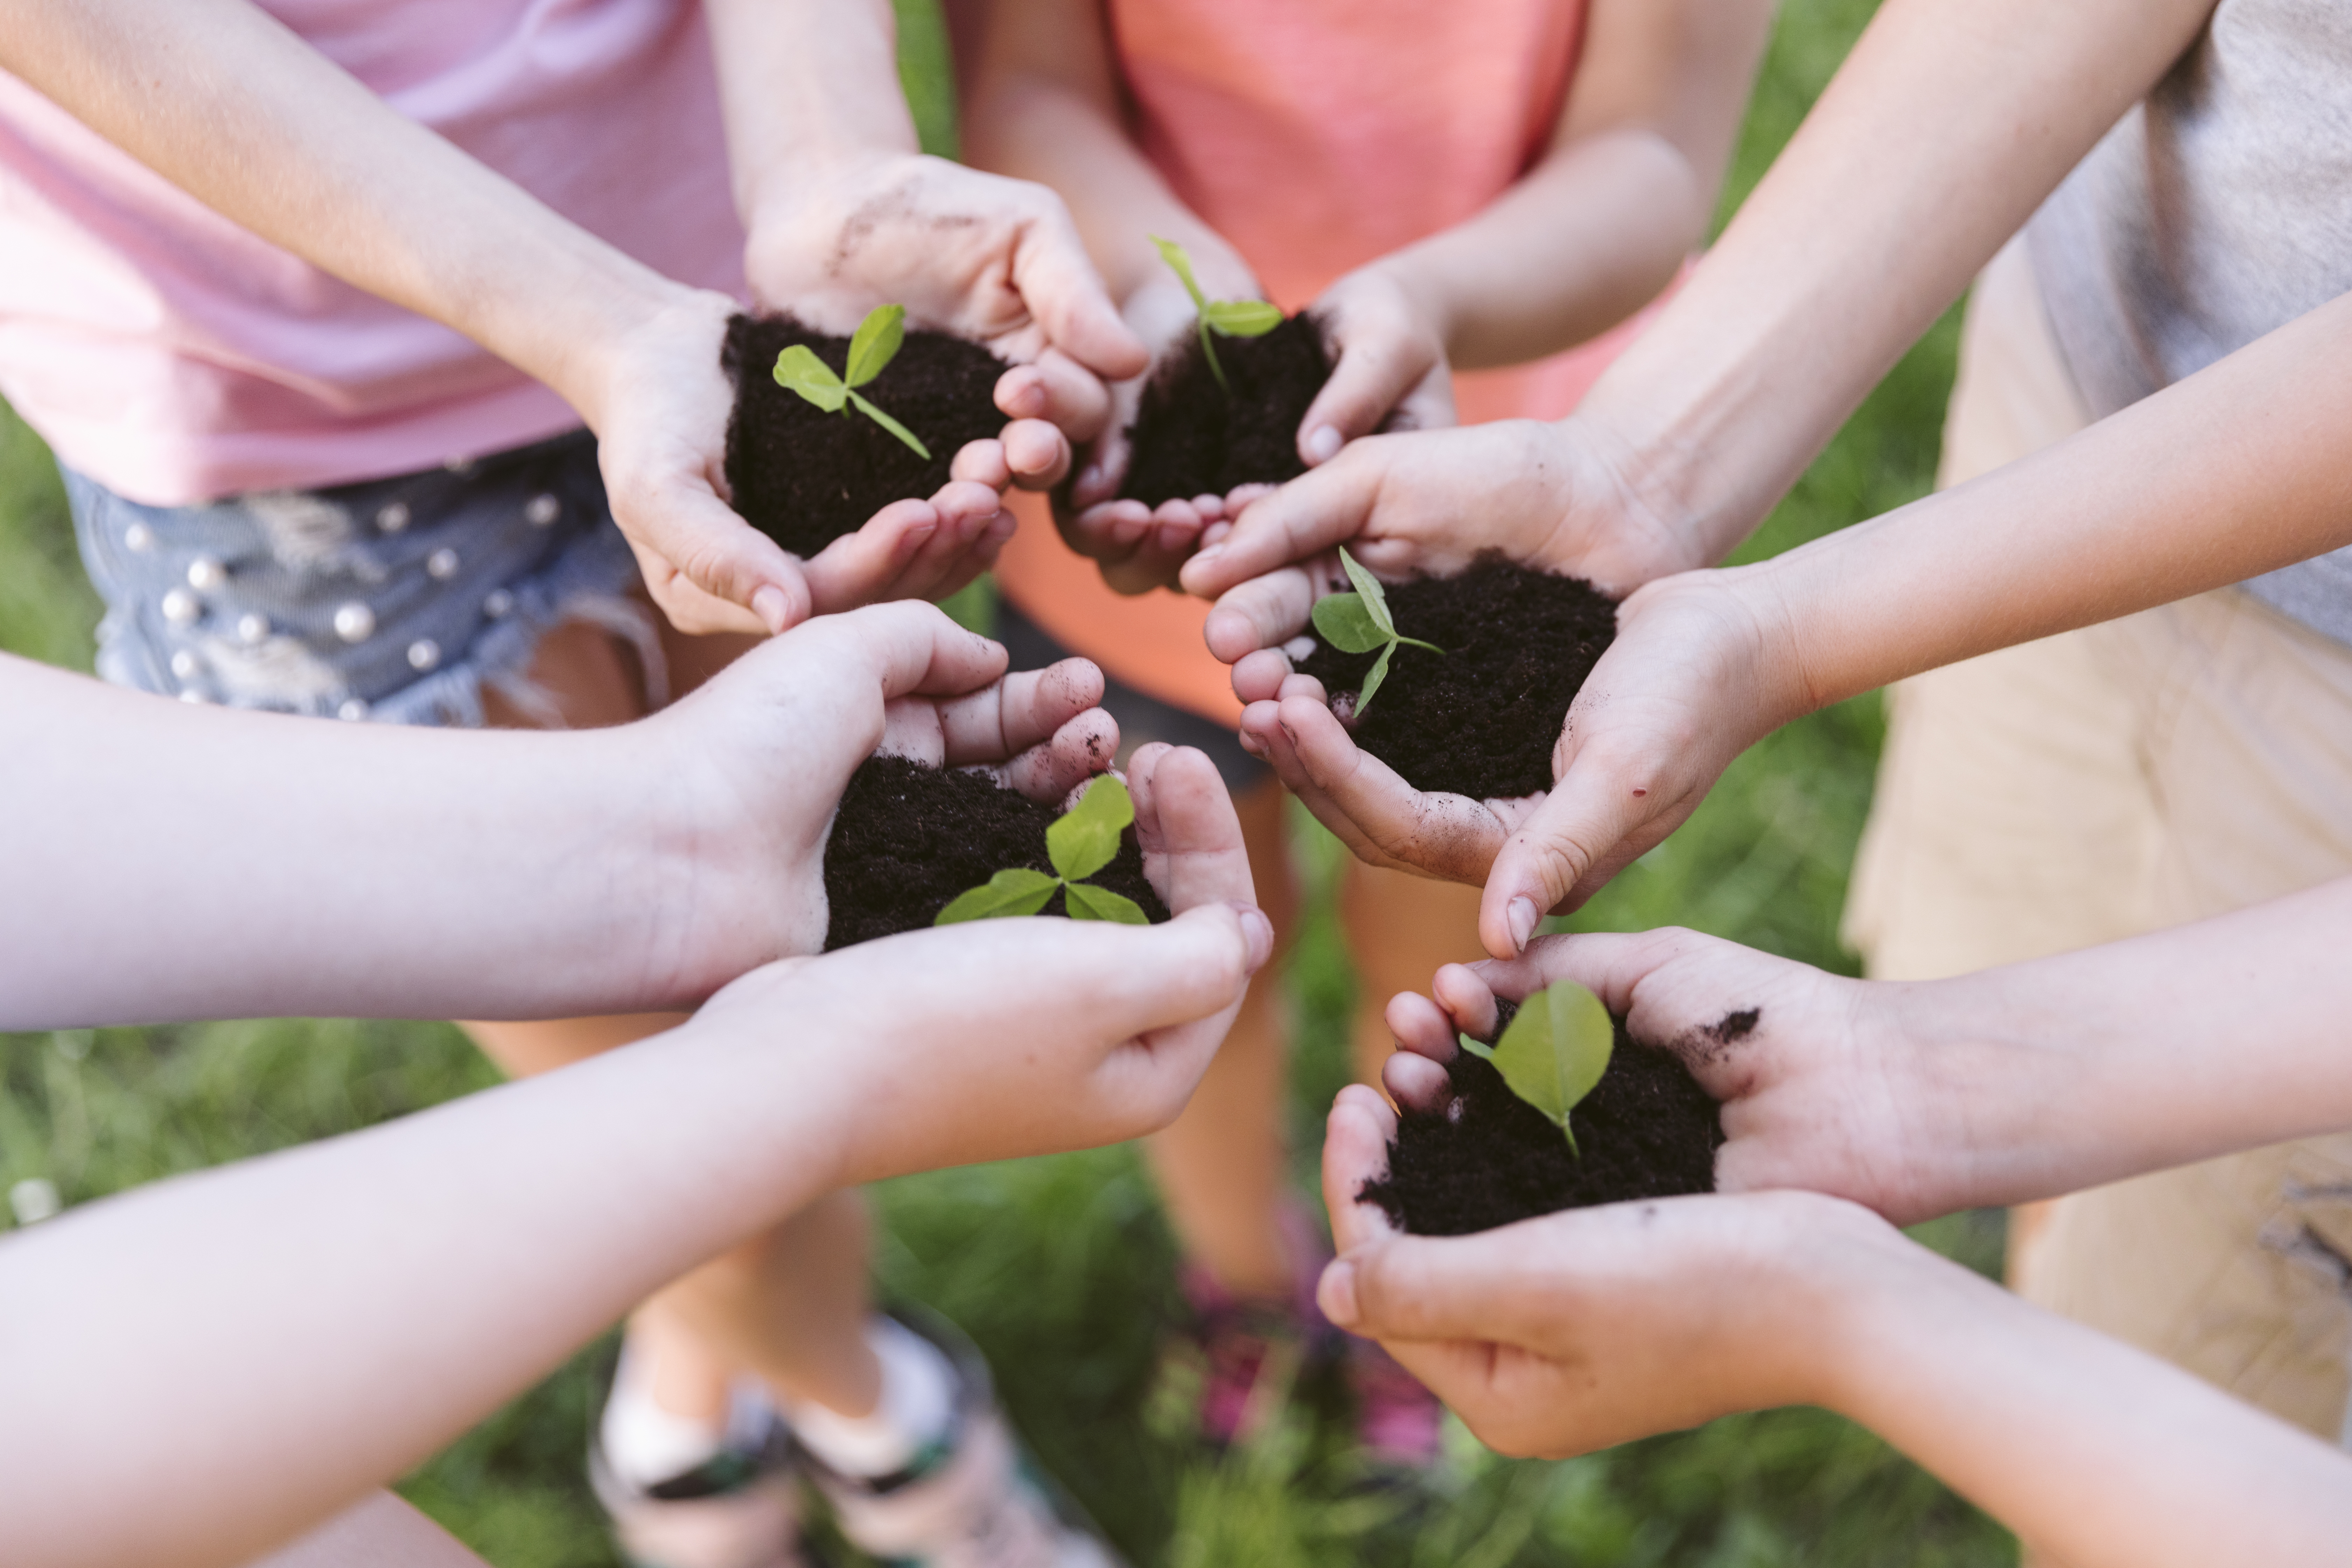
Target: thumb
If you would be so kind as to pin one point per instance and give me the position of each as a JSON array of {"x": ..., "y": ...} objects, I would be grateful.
[
  {"x": 1066, "y": 295},
  {"x": 1593, "y": 807},
  {"x": 1375, "y": 373},
  {"x": 703, "y": 541},
  {"x": 1425, "y": 1289},
  {"x": 1324, "y": 507}
]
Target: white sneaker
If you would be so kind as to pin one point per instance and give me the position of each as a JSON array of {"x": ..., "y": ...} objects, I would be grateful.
[
  {"x": 971, "y": 1501},
  {"x": 739, "y": 1509}
]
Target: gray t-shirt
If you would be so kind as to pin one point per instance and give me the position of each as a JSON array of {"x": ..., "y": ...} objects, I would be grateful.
[{"x": 2216, "y": 211}]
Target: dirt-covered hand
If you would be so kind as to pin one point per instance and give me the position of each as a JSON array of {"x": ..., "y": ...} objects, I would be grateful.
[
  {"x": 998, "y": 1038},
  {"x": 742, "y": 777},
  {"x": 1391, "y": 372},
  {"x": 1560, "y": 497},
  {"x": 1827, "y": 1084},
  {"x": 985, "y": 257},
  {"x": 1580, "y": 1329}
]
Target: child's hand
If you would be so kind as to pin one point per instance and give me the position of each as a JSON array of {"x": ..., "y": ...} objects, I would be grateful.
[
  {"x": 1696, "y": 675},
  {"x": 1858, "y": 1091},
  {"x": 661, "y": 419},
  {"x": 989, "y": 258},
  {"x": 1580, "y": 1329},
  {"x": 1390, "y": 372},
  {"x": 740, "y": 779},
  {"x": 1007, "y": 1038}
]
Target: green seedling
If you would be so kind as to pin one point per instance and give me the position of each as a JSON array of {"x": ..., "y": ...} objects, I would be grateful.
[
  {"x": 1554, "y": 1052},
  {"x": 1359, "y": 622},
  {"x": 875, "y": 346},
  {"x": 1081, "y": 842},
  {"x": 1225, "y": 317}
]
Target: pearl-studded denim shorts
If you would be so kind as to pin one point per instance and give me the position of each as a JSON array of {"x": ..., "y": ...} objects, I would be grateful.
[{"x": 395, "y": 599}]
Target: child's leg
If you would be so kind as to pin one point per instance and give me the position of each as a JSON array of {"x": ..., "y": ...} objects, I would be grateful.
[
  {"x": 1223, "y": 1165},
  {"x": 1400, "y": 930}
]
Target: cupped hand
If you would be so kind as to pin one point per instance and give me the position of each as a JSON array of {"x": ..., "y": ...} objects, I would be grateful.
[
  {"x": 661, "y": 426},
  {"x": 989, "y": 258},
  {"x": 1006, "y": 1038},
  {"x": 740, "y": 779},
  {"x": 1587, "y": 1328},
  {"x": 1696, "y": 675},
  {"x": 1389, "y": 372},
  {"x": 1911, "y": 1100}
]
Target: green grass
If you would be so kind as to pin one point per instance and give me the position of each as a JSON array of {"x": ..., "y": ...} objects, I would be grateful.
[{"x": 1062, "y": 1268}]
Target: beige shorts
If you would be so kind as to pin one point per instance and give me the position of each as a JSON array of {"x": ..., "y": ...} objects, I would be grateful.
[{"x": 2171, "y": 765}]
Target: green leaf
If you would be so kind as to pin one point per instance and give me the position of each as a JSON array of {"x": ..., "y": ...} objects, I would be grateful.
[
  {"x": 1342, "y": 621},
  {"x": 1477, "y": 1048},
  {"x": 1088, "y": 902},
  {"x": 1209, "y": 350},
  {"x": 1242, "y": 318},
  {"x": 876, "y": 342},
  {"x": 1181, "y": 265},
  {"x": 1082, "y": 840},
  {"x": 888, "y": 424},
  {"x": 1019, "y": 891},
  {"x": 1379, "y": 672},
  {"x": 1376, "y": 597},
  {"x": 1556, "y": 1050},
  {"x": 799, "y": 370}
]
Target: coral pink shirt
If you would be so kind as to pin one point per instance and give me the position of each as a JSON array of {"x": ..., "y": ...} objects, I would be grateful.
[
  {"x": 175, "y": 357},
  {"x": 1317, "y": 135}
]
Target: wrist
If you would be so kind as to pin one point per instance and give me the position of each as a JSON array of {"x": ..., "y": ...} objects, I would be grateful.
[{"x": 597, "y": 367}]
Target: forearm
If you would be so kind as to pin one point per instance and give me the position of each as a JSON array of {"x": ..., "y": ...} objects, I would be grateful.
[
  {"x": 2069, "y": 1072},
  {"x": 336, "y": 1313},
  {"x": 2090, "y": 1450},
  {"x": 1043, "y": 108},
  {"x": 223, "y": 100},
  {"x": 2231, "y": 473},
  {"x": 805, "y": 85},
  {"x": 1941, "y": 133},
  {"x": 169, "y": 863},
  {"x": 1589, "y": 237}
]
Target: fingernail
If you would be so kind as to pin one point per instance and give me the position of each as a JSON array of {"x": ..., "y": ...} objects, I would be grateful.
[
  {"x": 1336, "y": 1293},
  {"x": 1523, "y": 915},
  {"x": 1260, "y": 933},
  {"x": 1322, "y": 444},
  {"x": 1208, "y": 556},
  {"x": 768, "y": 605}
]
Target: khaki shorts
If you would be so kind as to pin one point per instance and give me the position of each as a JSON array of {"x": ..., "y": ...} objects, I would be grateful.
[{"x": 2168, "y": 766}]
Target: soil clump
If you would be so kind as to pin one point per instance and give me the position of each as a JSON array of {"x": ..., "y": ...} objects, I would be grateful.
[
  {"x": 1482, "y": 718},
  {"x": 1647, "y": 1131},
  {"x": 1190, "y": 438},
  {"x": 909, "y": 837},
  {"x": 804, "y": 476}
]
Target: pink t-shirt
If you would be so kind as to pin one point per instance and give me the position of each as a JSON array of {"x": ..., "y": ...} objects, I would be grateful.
[{"x": 175, "y": 357}]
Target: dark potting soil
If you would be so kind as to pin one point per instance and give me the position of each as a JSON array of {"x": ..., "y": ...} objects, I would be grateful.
[
  {"x": 1192, "y": 439},
  {"x": 804, "y": 476},
  {"x": 1647, "y": 1131},
  {"x": 908, "y": 839},
  {"x": 1480, "y": 720}
]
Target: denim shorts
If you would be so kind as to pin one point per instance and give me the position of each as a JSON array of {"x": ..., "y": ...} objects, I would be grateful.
[{"x": 397, "y": 599}]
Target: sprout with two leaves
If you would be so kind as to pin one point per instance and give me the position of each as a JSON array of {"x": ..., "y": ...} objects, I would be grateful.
[
  {"x": 1554, "y": 1051},
  {"x": 1081, "y": 842},
  {"x": 1359, "y": 622},
  {"x": 870, "y": 351},
  {"x": 1225, "y": 317}
]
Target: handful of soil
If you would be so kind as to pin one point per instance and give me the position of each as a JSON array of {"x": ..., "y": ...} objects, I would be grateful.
[
  {"x": 804, "y": 476},
  {"x": 908, "y": 837},
  {"x": 1481, "y": 719},
  {"x": 1647, "y": 1131},
  {"x": 1191, "y": 439}
]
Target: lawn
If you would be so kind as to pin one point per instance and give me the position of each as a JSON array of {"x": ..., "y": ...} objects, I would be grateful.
[{"x": 1062, "y": 1268}]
